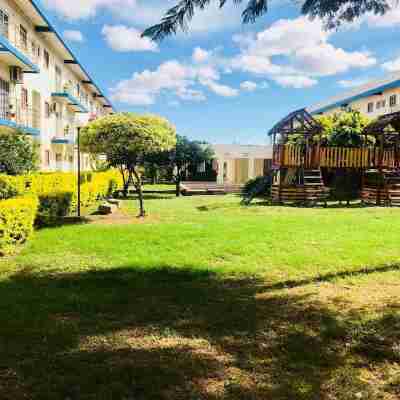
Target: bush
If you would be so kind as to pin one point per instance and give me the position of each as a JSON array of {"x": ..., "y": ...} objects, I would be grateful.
[
  {"x": 17, "y": 217},
  {"x": 18, "y": 152},
  {"x": 257, "y": 187},
  {"x": 57, "y": 192}
]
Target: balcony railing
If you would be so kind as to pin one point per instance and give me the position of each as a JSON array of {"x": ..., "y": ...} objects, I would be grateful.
[
  {"x": 17, "y": 115},
  {"x": 22, "y": 49}
]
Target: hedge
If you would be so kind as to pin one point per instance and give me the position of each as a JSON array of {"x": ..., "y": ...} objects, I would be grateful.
[
  {"x": 57, "y": 192},
  {"x": 17, "y": 218}
]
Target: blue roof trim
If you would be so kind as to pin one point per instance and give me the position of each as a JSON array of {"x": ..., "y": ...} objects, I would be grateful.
[
  {"x": 367, "y": 93},
  {"x": 26, "y": 129},
  {"x": 53, "y": 30},
  {"x": 62, "y": 141},
  {"x": 8, "y": 47},
  {"x": 73, "y": 101}
]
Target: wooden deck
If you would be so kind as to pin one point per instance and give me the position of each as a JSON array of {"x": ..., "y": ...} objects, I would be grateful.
[
  {"x": 332, "y": 157},
  {"x": 208, "y": 188}
]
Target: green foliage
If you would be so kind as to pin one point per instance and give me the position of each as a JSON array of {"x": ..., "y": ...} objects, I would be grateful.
[
  {"x": 333, "y": 13},
  {"x": 344, "y": 129},
  {"x": 18, "y": 153},
  {"x": 126, "y": 139},
  {"x": 57, "y": 192},
  {"x": 17, "y": 217},
  {"x": 256, "y": 188},
  {"x": 181, "y": 162}
]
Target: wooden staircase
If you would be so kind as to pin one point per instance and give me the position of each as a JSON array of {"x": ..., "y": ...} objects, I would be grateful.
[{"x": 310, "y": 190}]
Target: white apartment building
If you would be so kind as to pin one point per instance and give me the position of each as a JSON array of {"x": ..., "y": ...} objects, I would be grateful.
[
  {"x": 44, "y": 90},
  {"x": 373, "y": 99}
]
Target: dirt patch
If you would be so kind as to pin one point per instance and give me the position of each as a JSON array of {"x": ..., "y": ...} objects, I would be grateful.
[{"x": 120, "y": 217}]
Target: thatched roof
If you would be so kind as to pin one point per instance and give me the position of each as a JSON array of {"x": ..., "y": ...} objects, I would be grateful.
[{"x": 297, "y": 122}]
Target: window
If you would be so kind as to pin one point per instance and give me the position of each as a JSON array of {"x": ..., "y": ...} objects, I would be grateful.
[
  {"x": 23, "y": 37},
  {"x": 378, "y": 105},
  {"x": 46, "y": 110},
  {"x": 46, "y": 57},
  {"x": 392, "y": 100},
  {"x": 3, "y": 23},
  {"x": 47, "y": 157},
  {"x": 383, "y": 103},
  {"x": 58, "y": 78},
  {"x": 370, "y": 107},
  {"x": 24, "y": 98},
  {"x": 58, "y": 157}
]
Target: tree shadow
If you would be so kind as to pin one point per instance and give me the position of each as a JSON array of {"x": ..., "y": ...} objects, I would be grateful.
[
  {"x": 329, "y": 277},
  {"x": 169, "y": 333}
]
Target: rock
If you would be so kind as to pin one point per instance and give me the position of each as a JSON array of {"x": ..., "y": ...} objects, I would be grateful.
[{"x": 105, "y": 209}]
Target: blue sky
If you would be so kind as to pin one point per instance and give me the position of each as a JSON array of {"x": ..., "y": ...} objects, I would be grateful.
[{"x": 223, "y": 82}]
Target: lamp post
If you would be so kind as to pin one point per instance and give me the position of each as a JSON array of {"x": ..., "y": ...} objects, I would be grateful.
[{"x": 79, "y": 173}]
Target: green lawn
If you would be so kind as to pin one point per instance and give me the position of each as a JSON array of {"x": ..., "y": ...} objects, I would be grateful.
[{"x": 206, "y": 299}]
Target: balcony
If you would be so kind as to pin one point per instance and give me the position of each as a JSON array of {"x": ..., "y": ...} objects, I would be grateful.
[
  {"x": 65, "y": 96},
  {"x": 64, "y": 132},
  {"x": 15, "y": 115},
  {"x": 16, "y": 52}
]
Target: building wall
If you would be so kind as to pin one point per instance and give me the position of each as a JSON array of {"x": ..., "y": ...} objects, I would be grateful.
[
  {"x": 380, "y": 104},
  {"x": 237, "y": 164},
  {"x": 62, "y": 118}
]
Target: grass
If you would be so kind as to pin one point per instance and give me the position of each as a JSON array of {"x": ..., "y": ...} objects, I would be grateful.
[{"x": 206, "y": 299}]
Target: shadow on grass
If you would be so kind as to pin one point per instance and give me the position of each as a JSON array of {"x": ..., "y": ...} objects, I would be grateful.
[
  {"x": 168, "y": 333},
  {"x": 291, "y": 283}
]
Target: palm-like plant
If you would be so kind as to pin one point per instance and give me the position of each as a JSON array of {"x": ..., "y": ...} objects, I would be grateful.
[{"x": 333, "y": 12}]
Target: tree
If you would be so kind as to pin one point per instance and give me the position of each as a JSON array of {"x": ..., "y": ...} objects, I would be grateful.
[
  {"x": 182, "y": 160},
  {"x": 333, "y": 12},
  {"x": 18, "y": 152},
  {"x": 344, "y": 129},
  {"x": 125, "y": 139}
]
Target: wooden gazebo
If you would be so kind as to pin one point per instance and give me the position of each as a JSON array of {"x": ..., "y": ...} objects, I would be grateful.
[
  {"x": 381, "y": 181},
  {"x": 297, "y": 176},
  {"x": 299, "y": 156}
]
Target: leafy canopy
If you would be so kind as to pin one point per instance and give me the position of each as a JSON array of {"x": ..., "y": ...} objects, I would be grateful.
[
  {"x": 344, "y": 129},
  {"x": 18, "y": 152},
  {"x": 333, "y": 12},
  {"x": 126, "y": 138}
]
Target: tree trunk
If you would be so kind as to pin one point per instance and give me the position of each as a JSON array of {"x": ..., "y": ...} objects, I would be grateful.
[
  {"x": 138, "y": 186},
  {"x": 178, "y": 187},
  {"x": 125, "y": 183}
]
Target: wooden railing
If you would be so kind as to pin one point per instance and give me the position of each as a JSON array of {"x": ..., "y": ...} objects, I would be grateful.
[{"x": 333, "y": 157}]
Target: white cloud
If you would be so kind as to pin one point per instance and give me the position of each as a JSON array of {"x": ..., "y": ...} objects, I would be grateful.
[
  {"x": 351, "y": 83},
  {"x": 73, "y": 36},
  {"x": 200, "y": 55},
  {"x": 83, "y": 9},
  {"x": 389, "y": 19},
  {"x": 184, "y": 81},
  {"x": 392, "y": 66},
  {"x": 124, "y": 39},
  {"x": 295, "y": 81},
  {"x": 143, "y": 13},
  {"x": 295, "y": 52},
  {"x": 249, "y": 86},
  {"x": 221, "y": 90}
]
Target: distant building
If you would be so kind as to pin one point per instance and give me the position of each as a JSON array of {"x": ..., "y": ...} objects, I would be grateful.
[
  {"x": 237, "y": 164},
  {"x": 373, "y": 99}
]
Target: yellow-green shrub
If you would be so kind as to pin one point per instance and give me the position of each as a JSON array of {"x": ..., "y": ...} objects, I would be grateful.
[
  {"x": 17, "y": 217},
  {"x": 57, "y": 192}
]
